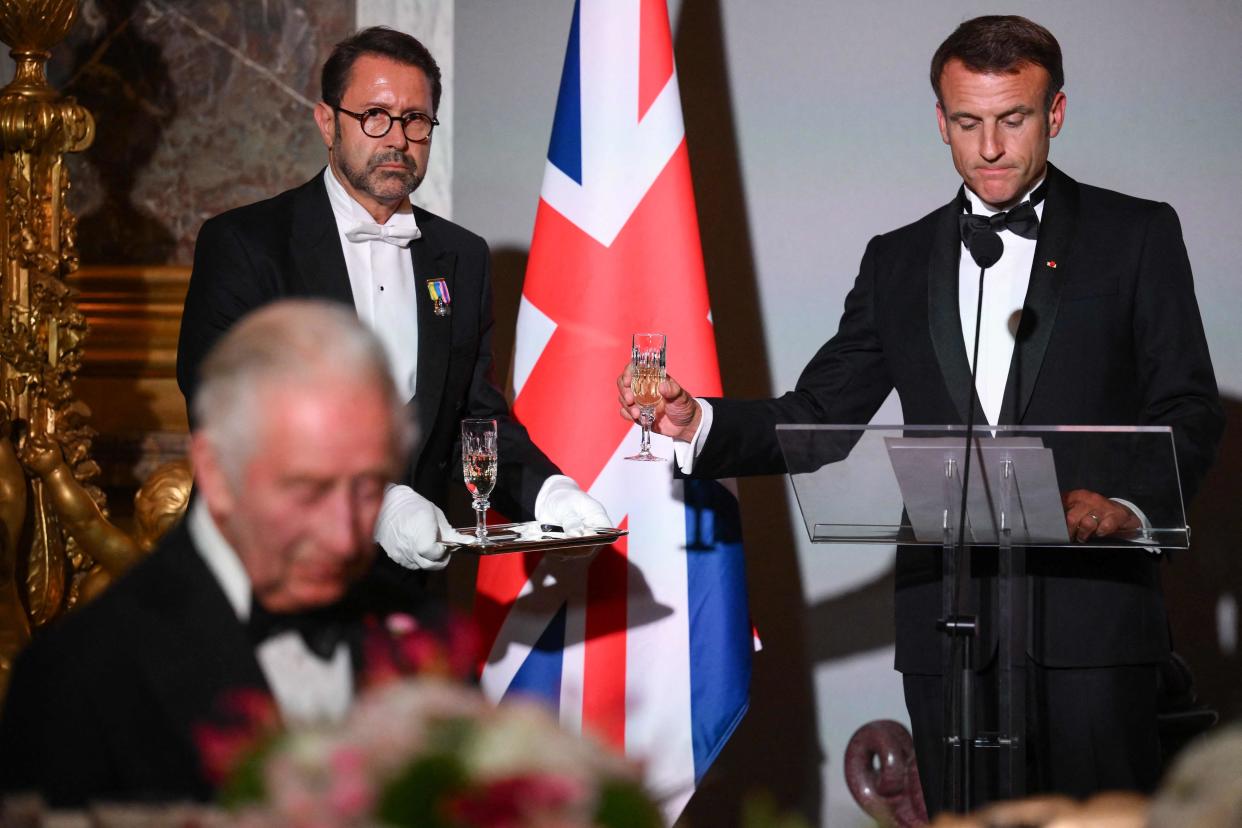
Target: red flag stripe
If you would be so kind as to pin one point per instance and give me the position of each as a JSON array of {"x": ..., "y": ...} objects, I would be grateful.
[
  {"x": 603, "y": 686},
  {"x": 655, "y": 58}
]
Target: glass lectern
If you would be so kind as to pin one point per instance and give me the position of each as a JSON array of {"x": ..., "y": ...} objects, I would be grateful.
[{"x": 903, "y": 485}]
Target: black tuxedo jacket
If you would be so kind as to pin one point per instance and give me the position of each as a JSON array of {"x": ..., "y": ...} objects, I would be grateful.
[
  {"x": 103, "y": 704},
  {"x": 288, "y": 246},
  {"x": 1110, "y": 335}
]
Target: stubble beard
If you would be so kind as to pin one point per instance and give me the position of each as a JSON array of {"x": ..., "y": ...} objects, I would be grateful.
[{"x": 382, "y": 185}]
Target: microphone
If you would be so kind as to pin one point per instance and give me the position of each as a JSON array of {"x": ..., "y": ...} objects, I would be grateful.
[{"x": 986, "y": 248}]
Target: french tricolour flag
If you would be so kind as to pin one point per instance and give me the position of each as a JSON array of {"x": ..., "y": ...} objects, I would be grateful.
[{"x": 648, "y": 645}]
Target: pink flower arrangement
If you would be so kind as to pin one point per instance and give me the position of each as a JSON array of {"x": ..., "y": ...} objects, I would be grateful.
[{"x": 426, "y": 750}]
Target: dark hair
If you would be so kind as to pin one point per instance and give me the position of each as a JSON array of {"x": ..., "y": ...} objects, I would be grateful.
[
  {"x": 384, "y": 42},
  {"x": 1001, "y": 43}
]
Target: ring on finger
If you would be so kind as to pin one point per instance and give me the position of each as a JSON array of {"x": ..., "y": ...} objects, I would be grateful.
[{"x": 1093, "y": 517}]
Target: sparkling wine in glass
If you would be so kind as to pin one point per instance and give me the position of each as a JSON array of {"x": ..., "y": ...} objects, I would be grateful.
[
  {"x": 647, "y": 354},
  {"x": 479, "y": 460}
]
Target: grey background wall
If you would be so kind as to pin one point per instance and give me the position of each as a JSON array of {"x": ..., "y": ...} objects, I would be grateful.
[{"x": 811, "y": 128}]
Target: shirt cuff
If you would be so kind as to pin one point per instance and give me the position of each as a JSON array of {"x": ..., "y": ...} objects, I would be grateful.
[
  {"x": 686, "y": 453},
  {"x": 1138, "y": 513}
]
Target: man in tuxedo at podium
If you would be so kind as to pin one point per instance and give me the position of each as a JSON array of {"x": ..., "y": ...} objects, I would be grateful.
[
  {"x": 353, "y": 235},
  {"x": 298, "y": 430},
  {"x": 1109, "y": 333}
]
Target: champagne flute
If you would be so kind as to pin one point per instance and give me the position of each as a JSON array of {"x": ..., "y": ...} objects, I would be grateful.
[
  {"x": 479, "y": 460},
  {"x": 647, "y": 372}
]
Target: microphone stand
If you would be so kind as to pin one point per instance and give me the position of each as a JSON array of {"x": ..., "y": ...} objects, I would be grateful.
[{"x": 986, "y": 249}]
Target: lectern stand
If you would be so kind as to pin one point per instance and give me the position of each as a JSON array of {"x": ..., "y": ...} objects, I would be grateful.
[{"x": 898, "y": 485}]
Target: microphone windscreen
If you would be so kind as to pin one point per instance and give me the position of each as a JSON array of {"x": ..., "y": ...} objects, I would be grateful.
[{"x": 986, "y": 247}]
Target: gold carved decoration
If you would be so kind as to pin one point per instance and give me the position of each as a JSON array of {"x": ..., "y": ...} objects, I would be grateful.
[{"x": 58, "y": 545}]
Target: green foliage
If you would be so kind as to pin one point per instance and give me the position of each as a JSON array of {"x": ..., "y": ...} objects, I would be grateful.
[
  {"x": 414, "y": 796},
  {"x": 760, "y": 811},
  {"x": 624, "y": 805},
  {"x": 245, "y": 785}
]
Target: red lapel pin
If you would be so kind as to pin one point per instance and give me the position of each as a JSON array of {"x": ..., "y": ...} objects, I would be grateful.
[{"x": 1051, "y": 263}]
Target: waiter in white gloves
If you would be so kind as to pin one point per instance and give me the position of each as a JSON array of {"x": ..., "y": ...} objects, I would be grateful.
[{"x": 420, "y": 282}]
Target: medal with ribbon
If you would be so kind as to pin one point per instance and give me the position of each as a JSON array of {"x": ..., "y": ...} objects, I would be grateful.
[{"x": 438, "y": 289}]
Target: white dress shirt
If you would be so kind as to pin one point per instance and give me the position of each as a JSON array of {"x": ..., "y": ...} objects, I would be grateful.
[
  {"x": 381, "y": 276},
  {"x": 1004, "y": 293},
  {"x": 308, "y": 689}
]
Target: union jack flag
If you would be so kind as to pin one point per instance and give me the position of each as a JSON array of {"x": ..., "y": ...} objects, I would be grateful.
[{"x": 649, "y": 645}]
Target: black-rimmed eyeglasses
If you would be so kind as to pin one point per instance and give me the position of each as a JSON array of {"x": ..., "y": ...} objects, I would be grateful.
[{"x": 376, "y": 122}]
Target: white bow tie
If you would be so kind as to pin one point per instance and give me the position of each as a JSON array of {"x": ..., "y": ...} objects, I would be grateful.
[{"x": 397, "y": 236}]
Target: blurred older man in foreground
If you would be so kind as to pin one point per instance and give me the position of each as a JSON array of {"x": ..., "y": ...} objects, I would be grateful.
[{"x": 298, "y": 431}]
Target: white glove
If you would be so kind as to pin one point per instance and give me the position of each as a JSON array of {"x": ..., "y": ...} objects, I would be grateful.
[
  {"x": 562, "y": 502},
  {"x": 413, "y": 530}
]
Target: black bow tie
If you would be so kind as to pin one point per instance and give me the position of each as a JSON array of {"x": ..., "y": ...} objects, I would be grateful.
[
  {"x": 321, "y": 629},
  {"x": 1021, "y": 220}
]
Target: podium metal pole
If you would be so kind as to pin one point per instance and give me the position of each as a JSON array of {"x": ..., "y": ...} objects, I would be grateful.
[
  {"x": 1012, "y": 636},
  {"x": 957, "y": 651}
]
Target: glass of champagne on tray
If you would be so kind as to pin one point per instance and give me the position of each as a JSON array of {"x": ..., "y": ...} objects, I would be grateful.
[
  {"x": 647, "y": 372},
  {"x": 479, "y": 460}
]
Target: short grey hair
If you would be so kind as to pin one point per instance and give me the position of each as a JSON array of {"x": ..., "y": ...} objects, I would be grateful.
[{"x": 303, "y": 342}]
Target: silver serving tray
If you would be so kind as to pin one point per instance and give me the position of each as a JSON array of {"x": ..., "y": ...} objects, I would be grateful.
[{"x": 506, "y": 538}]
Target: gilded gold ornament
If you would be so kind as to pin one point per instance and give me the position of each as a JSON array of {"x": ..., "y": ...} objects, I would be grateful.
[{"x": 57, "y": 542}]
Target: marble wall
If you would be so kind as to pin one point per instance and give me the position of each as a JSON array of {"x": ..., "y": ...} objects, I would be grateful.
[{"x": 199, "y": 106}]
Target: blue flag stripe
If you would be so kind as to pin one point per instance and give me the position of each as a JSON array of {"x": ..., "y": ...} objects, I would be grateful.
[
  {"x": 565, "y": 148},
  {"x": 720, "y": 633},
  {"x": 540, "y": 674}
]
